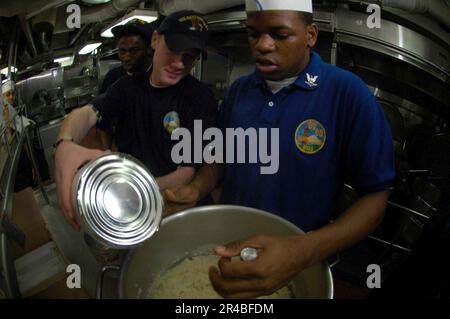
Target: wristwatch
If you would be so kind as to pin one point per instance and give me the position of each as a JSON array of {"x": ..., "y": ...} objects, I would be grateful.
[{"x": 60, "y": 140}]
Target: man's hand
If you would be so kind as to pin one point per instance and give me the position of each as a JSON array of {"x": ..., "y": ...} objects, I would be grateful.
[
  {"x": 179, "y": 177},
  {"x": 69, "y": 157},
  {"x": 187, "y": 196},
  {"x": 279, "y": 260},
  {"x": 180, "y": 198}
]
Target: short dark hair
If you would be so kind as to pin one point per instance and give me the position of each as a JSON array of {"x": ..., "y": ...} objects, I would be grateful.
[
  {"x": 306, "y": 17},
  {"x": 145, "y": 40},
  {"x": 135, "y": 28}
]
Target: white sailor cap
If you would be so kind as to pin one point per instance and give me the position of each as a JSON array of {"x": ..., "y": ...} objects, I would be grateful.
[
  {"x": 265, "y": 5},
  {"x": 7, "y": 86}
]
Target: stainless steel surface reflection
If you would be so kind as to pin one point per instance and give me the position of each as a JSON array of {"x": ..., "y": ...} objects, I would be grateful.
[{"x": 118, "y": 201}]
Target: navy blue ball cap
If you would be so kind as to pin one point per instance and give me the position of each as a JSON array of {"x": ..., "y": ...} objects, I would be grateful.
[
  {"x": 135, "y": 27},
  {"x": 185, "y": 29}
]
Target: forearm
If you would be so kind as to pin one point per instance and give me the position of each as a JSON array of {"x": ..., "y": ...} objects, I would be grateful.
[
  {"x": 352, "y": 226},
  {"x": 180, "y": 176},
  {"x": 70, "y": 156},
  {"x": 78, "y": 123},
  {"x": 207, "y": 178}
]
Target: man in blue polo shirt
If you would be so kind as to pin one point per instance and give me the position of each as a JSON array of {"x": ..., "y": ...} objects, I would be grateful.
[{"x": 331, "y": 128}]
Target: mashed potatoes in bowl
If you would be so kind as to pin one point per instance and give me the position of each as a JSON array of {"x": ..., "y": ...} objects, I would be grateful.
[{"x": 189, "y": 279}]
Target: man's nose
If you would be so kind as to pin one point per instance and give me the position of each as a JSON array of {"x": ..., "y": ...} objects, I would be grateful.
[
  {"x": 125, "y": 54},
  {"x": 265, "y": 44},
  {"x": 177, "y": 60},
  {"x": 126, "y": 58}
]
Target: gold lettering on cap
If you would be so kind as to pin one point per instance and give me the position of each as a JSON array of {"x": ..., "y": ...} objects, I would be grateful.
[{"x": 198, "y": 23}]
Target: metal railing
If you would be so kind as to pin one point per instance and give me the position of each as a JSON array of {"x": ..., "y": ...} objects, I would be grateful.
[
  {"x": 11, "y": 143},
  {"x": 406, "y": 211},
  {"x": 14, "y": 136}
]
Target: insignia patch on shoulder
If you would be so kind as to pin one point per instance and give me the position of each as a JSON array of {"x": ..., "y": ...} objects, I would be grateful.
[{"x": 310, "y": 136}]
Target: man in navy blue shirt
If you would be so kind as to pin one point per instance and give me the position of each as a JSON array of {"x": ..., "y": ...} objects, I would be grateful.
[
  {"x": 146, "y": 109},
  {"x": 135, "y": 54},
  {"x": 331, "y": 128}
]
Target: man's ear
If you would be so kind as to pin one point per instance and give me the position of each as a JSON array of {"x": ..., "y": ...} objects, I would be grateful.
[
  {"x": 155, "y": 39},
  {"x": 313, "y": 32}
]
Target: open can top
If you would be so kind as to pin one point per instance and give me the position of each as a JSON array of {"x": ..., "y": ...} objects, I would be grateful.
[{"x": 118, "y": 200}]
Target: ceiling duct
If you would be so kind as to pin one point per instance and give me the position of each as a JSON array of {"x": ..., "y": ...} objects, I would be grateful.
[
  {"x": 43, "y": 24},
  {"x": 106, "y": 11},
  {"x": 439, "y": 9},
  {"x": 28, "y": 35},
  {"x": 166, "y": 7},
  {"x": 44, "y": 21},
  {"x": 95, "y": 1}
]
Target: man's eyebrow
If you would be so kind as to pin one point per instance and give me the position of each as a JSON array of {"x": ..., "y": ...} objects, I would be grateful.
[
  {"x": 274, "y": 28},
  {"x": 281, "y": 27},
  {"x": 132, "y": 47}
]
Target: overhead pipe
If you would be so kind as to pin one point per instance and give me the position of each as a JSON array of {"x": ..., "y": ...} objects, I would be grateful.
[
  {"x": 78, "y": 35},
  {"x": 12, "y": 52},
  {"x": 16, "y": 46},
  {"x": 44, "y": 21},
  {"x": 44, "y": 44},
  {"x": 43, "y": 24},
  {"x": 41, "y": 7},
  {"x": 95, "y": 1},
  {"x": 439, "y": 9},
  {"x": 106, "y": 11},
  {"x": 167, "y": 7},
  {"x": 28, "y": 36}
]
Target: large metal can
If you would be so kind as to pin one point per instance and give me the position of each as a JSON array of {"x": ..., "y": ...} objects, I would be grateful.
[{"x": 118, "y": 204}]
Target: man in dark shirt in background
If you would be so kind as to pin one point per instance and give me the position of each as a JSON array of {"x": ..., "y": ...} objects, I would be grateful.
[
  {"x": 134, "y": 51},
  {"x": 135, "y": 54}
]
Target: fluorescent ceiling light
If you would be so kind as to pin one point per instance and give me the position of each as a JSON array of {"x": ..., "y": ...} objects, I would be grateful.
[
  {"x": 46, "y": 75},
  {"x": 4, "y": 71},
  {"x": 139, "y": 14},
  {"x": 62, "y": 59},
  {"x": 89, "y": 47}
]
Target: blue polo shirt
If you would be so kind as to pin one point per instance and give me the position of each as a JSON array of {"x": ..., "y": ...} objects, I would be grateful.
[{"x": 331, "y": 128}]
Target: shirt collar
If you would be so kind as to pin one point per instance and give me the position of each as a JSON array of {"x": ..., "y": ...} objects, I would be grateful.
[{"x": 309, "y": 79}]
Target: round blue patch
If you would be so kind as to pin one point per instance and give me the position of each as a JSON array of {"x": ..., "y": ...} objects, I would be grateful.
[{"x": 310, "y": 136}]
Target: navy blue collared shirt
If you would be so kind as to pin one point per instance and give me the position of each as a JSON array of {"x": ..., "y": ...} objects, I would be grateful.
[{"x": 331, "y": 128}]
